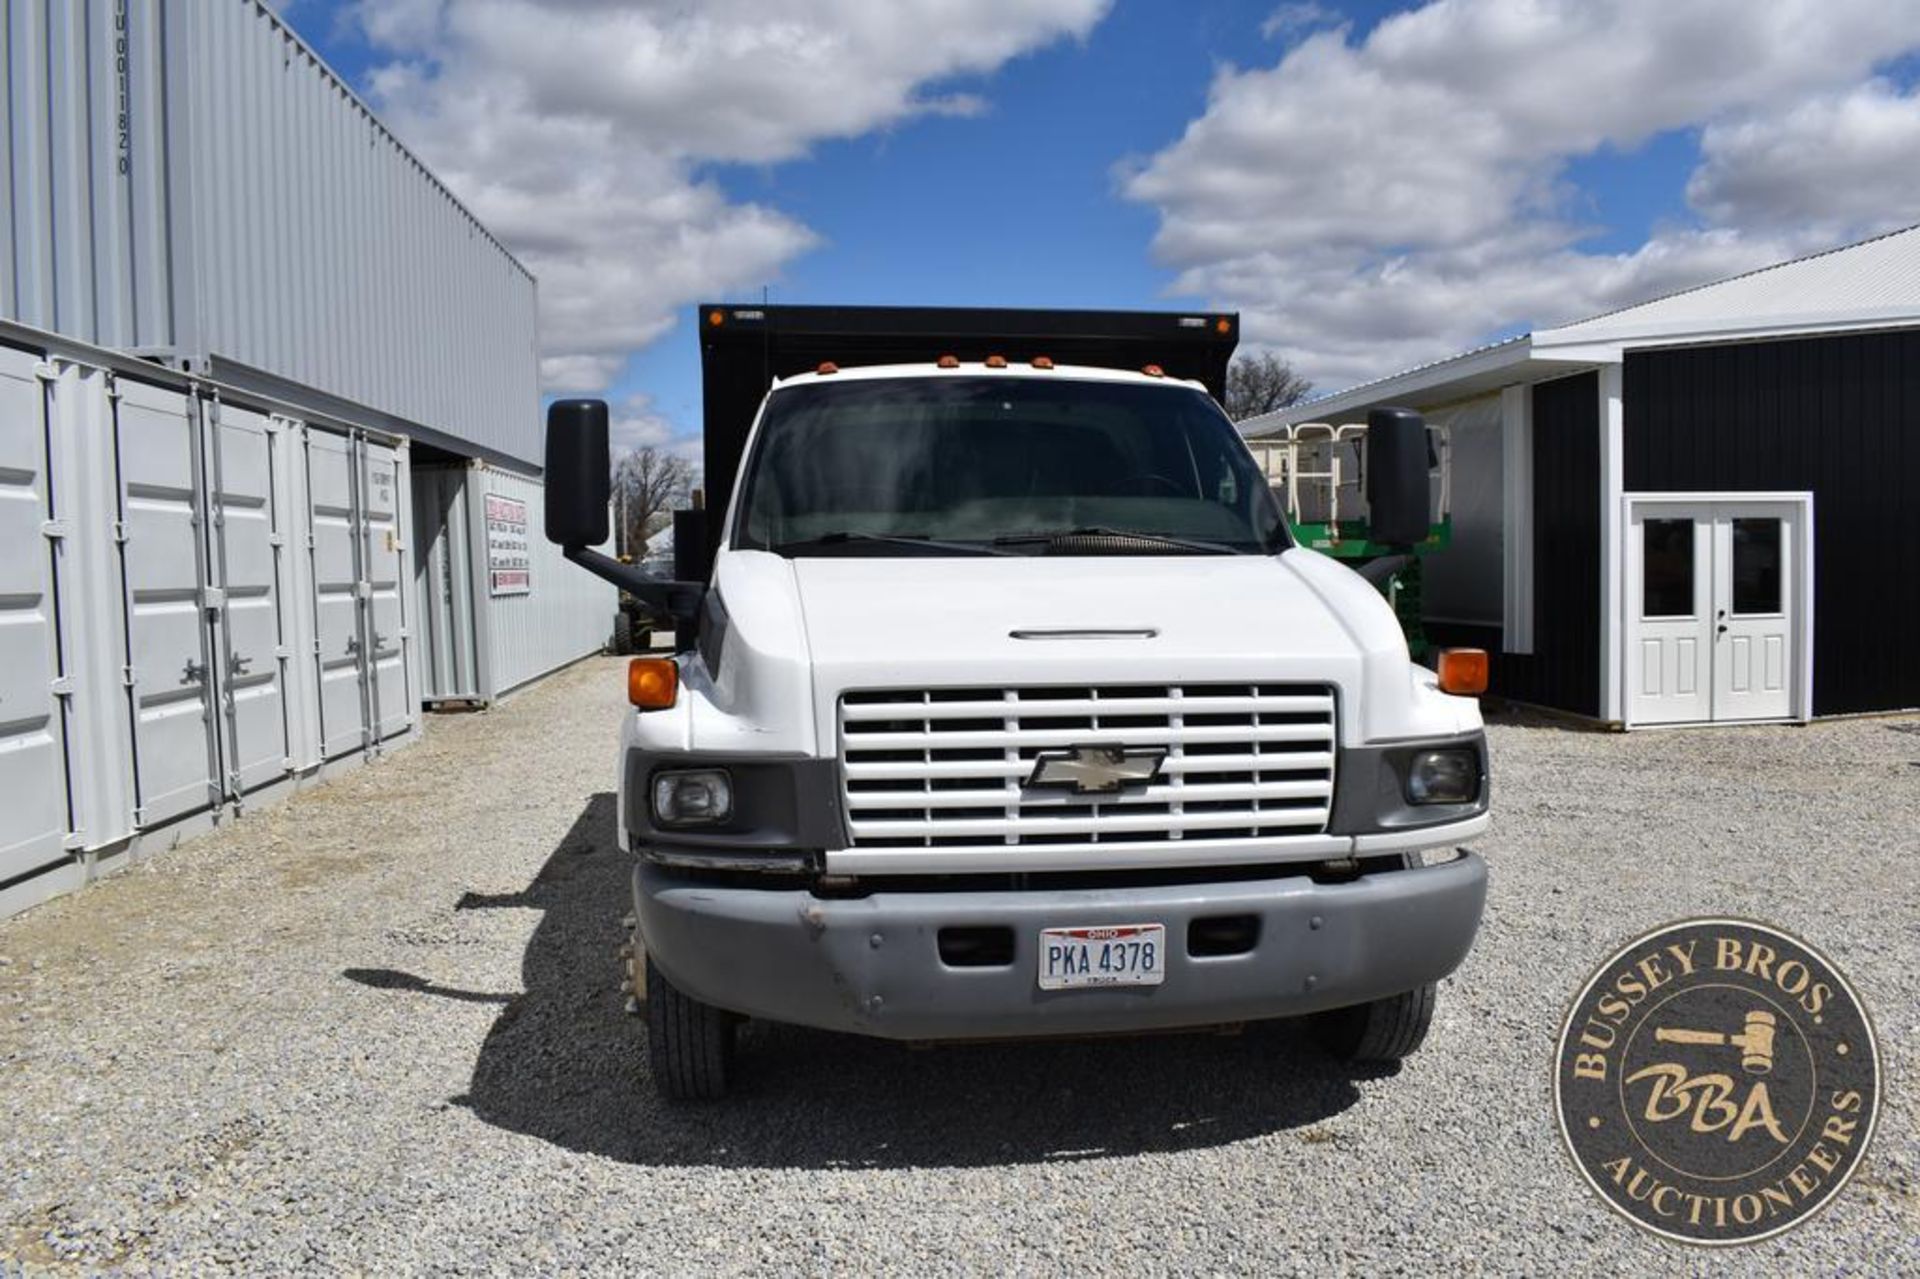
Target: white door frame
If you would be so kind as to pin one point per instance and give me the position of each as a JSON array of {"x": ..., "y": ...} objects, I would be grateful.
[{"x": 1801, "y": 551}]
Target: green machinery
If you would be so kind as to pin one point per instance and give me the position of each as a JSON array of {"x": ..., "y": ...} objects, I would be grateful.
[{"x": 1317, "y": 470}]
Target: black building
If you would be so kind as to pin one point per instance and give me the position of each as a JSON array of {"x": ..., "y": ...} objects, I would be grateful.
[{"x": 1696, "y": 510}]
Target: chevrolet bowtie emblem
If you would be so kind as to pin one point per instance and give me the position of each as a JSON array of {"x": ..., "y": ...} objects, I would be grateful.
[{"x": 1097, "y": 770}]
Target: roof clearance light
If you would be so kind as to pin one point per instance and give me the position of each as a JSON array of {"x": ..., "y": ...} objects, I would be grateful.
[
  {"x": 1223, "y": 325},
  {"x": 1042, "y": 362},
  {"x": 716, "y": 318},
  {"x": 996, "y": 361},
  {"x": 826, "y": 367},
  {"x": 948, "y": 362},
  {"x": 1154, "y": 370}
]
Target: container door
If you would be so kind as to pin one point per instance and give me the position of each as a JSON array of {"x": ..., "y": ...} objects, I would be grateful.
[
  {"x": 386, "y": 590},
  {"x": 247, "y": 555},
  {"x": 33, "y": 764},
  {"x": 1670, "y": 590},
  {"x": 332, "y": 494},
  {"x": 164, "y": 557},
  {"x": 1754, "y": 610}
]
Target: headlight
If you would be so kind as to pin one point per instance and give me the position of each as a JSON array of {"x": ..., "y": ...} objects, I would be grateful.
[
  {"x": 1443, "y": 777},
  {"x": 696, "y": 797}
]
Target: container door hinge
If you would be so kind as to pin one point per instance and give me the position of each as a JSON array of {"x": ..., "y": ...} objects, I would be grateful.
[
  {"x": 46, "y": 371},
  {"x": 73, "y": 841},
  {"x": 276, "y": 539},
  {"x": 61, "y": 686},
  {"x": 128, "y": 677},
  {"x": 55, "y": 530},
  {"x": 140, "y": 816},
  {"x": 212, "y": 599},
  {"x": 282, "y": 653},
  {"x": 120, "y": 532}
]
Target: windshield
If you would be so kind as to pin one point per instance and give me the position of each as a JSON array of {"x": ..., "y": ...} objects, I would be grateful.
[{"x": 1016, "y": 465}]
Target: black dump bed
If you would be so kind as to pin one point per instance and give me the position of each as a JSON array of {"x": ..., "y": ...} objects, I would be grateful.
[{"x": 744, "y": 348}]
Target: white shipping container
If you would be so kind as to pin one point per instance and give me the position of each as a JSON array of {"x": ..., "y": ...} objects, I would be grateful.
[{"x": 206, "y": 603}]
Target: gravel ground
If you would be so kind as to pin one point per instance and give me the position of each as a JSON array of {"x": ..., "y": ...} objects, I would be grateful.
[{"x": 379, "y": 1028}]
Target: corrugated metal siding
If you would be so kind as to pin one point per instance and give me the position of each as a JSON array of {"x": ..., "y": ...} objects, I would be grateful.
[
  {"x": 566, "y": 615},
  {"x": 86, "y": 222},
  {"x": 1563, "y": 670},
  {"x": 1837, "y": 415},
  {"x": 190, "y": 175}
]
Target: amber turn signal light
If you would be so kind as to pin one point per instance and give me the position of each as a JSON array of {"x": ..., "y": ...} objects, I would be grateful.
[
  {"x": 996, "y": 361},
  {"x": 1042, "y": 362},
  {"x": 1154, "y": 370},
  {"x": 652, "y": 683},
  {"x": 1463, "y": 671},
  {"x": 948, "y": 362}
]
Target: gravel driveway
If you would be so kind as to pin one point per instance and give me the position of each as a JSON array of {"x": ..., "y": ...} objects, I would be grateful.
[{"x": 380, "y": 1028}]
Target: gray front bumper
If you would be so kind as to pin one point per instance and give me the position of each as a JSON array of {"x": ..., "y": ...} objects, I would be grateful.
[{"x": 871, "y": 965}]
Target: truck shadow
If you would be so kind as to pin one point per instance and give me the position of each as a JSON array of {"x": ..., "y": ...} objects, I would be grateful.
[{"x": 565, "y": 1063}]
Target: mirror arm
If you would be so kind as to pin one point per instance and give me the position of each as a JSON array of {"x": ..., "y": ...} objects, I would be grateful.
[
  {"x": 677, "y": 600},
  {"x": 1380, "y": 571}
]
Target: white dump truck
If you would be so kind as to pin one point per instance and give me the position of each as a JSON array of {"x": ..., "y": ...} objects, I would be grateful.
[{"x": 1006, "y": 705}]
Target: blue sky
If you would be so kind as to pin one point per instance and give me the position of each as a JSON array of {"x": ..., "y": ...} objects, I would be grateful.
[{"x": 1353, "y": 246}]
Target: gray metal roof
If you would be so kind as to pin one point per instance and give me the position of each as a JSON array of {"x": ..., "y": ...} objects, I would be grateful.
[{"x": 1877, "y": 275}]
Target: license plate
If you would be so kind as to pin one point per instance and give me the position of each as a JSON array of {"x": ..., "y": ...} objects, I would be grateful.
[{"x": 1115, "y": 955}]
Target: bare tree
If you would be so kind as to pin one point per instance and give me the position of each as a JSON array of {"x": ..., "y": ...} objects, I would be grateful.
[
  {"x": 1260, "y": 383},
  {"x": 648, "y": 484}
]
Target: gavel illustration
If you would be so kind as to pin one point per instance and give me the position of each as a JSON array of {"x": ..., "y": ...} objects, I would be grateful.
[{"x": 1755, "y": 1042}]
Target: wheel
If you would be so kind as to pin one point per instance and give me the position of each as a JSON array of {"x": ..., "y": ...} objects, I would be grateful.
[
  {"x": 689, "y": 1044},
  {"x": 622, "y": 634},
  {"x": 1384, "y": 1030}
]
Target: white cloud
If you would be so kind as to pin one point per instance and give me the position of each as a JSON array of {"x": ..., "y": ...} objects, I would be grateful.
[
  {"x": 1373, "y": 204},
  {"x": 1825, "y": 160},
  {"x": 576, "y": 129},
  {"x": 1301, "y": 15}
]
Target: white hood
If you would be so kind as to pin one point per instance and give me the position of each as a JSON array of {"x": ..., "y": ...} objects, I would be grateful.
[{"x": 803, "y": 630}]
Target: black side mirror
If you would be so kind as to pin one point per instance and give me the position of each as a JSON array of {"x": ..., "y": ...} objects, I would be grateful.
[
  {"x": 1397, "y": 499},
  {"x": 579, "y": 472}
]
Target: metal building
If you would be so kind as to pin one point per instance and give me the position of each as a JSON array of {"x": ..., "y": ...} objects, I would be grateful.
[
  {"x": 269, "y": 429},
  {"x": 1691, "y": 511}
]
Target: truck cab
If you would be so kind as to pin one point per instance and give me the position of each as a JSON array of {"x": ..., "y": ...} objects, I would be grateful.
[{"x": 1007, "y": 706}]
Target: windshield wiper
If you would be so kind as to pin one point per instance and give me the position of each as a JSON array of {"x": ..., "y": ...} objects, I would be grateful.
[
  {"x": 918, "y": 541},
  {"x": 1102, "y": 530}
]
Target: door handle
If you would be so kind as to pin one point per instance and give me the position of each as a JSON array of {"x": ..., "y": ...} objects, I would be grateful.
[{"x": 237, "y": 665}]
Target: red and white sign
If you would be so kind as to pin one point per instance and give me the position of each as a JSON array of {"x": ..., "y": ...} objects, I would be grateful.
[{"x": 509, "y": 564}]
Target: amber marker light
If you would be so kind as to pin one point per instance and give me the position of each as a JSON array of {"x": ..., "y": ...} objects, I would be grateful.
[
  {"x": 1042, "y": 362},
  {"x": 1223, "y": 325},
  {"x": 948, "y": 362},
  {"x": 1463, "y": 671},
  {"x": 826, "y": 367},
  {"x": 1154, "y": 370},
  {"x": 652, "y": 683},
  {"x": 996, "y": 361},
  {"x": 716, "y": 318}
]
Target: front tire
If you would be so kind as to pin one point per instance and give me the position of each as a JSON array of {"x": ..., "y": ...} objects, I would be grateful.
[
  {"x": 1385, "y": 1030},
  {"x": 689, "y": 1044}
]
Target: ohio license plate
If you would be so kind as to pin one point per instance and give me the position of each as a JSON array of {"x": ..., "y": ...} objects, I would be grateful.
[{"x": 1115, "y": 955}]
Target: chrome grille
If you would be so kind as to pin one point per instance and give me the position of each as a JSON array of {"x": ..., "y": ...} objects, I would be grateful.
[{"x": 946, "y": 767}]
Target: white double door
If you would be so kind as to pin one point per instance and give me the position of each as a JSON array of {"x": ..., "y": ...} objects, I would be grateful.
[{"x": 1716, "y": 594}]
